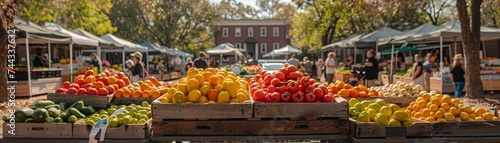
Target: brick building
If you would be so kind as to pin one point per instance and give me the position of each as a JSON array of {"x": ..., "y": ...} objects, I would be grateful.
[{"x": 255, "y": 37}]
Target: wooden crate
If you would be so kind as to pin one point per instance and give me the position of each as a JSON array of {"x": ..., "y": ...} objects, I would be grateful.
[
  {"x": 396, "y": 78},
  {"x": 202, "y": 110},
  {"x": 466, "y": 129},
  {"x": 491, "y": 84},
  {"x": 337, "y": 109},
  {"x": 38, "y": 130},
  {"x": 384, "y": 79},
  {"x": 6, "y": 140},
  {"x": 259, "y": 139},
  {"x": 372, "y": 130},
  {"x": 407, "y": 79},
  {"x": 435, "y": 84},
  {"x": 127, "y": 101},
  {"x": 249, "y": 127},
  {"x": 97, "y": 102},
  {"x": 429, "y": 140},
  {"x": 342, "y": 76},
  {"x": 131, "y": 131}
]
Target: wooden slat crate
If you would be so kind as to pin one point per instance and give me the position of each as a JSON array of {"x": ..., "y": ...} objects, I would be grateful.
[
  {"x": 385, "y": 79},
  {"x": 131, "y": 131},
  {"x": 38, "y": 130},
  {"x": 491, "y": 84},
  {"x": 337, "y": 109},
  {"x": 45, "y": 140},
  {"x": 407, "y": 79},
  {"x": 466, "y": 129},
  {"x": 429, "y": 140},
  {"x": 396, "y": 78},
  {"x": 299, "y": 127},
  {"x": 435, "y": 84},
  {"x": 98, "y": 102},
  {"x": 372, "y": 130},
  {"x": 342, "y": 76},
  {"x": 181, "y": 128},
  {"x": 246, "y": 138},
  {"x": 202, "y": 110},
  {"x": 127, "y": 101}
]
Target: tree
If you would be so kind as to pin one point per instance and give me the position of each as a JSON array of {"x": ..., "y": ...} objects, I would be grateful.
[
  {"x": 276, "y": 9},
  {"x": 8, "y": 9},
  {"x": 231, "y": 9},
  {"x": 471, "y": 33},
  {"x": 70, "y": 14},
  {"x": 490, "y": 10},
  {"x": 435, "y": 9}
]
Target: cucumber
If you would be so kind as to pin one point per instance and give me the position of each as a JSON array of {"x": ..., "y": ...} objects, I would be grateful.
[
  {"x": 53, "y": 112},
  {"x": 29, "y": 120},
  {"x": 74, "y": 111},
  {"x": 88, "y": 110},
  {"x": 53, "y": 106},
  {"x": 78, "y": 105},
  {"x": 43, "y": 103},
  {"x": 22, "y": 114},
  {"x": 62, "y": 106},
  {"x": 40, "y": 115},
  {"x": 58, "y": 120}
]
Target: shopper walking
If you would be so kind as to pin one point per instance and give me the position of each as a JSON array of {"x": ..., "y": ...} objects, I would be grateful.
[
  {"x": 457, "y": 74},
  {"x": 427, "y": 67},
  {"x": 418, "y": 72},
  {"x": 137, "y": 70},
  {"x": 294, "y": 61},
  {"x": 331, "y": 66},
  {"x": 200, "y": 62},
  {"x": 371, "y": 69}
]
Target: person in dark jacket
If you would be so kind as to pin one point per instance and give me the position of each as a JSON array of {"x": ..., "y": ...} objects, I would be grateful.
[
  {"x": 457, "y": 74},
  {"x": 371, "y": 69},
  {"x": 137, "y": 69},
  {"x": 200, "y": 62}
]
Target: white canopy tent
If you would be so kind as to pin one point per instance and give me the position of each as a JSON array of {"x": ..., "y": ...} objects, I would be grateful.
[
  {"x": 286, "y": 50},
  {"x": 225, "y": 49},
  {"x": 75, "y": 39},
  {"x": 127, "y": 46}
]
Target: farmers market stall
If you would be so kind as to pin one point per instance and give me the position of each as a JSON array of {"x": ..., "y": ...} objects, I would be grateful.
[
  {"x": 158, "y": 52},
  {"x": 225, "y": 49},
  {"x": 286, "y": 50},
  {"x": 39, "y": 80}
]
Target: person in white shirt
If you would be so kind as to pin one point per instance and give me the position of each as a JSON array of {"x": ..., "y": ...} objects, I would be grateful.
[
  {"x": 294, "y": 61},
  {"x": 331, "y": 66}
]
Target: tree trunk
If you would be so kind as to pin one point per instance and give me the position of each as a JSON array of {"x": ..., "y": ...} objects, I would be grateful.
[
  {"x": 472, "y": 43},
  {"x": 6, "y": 20}
]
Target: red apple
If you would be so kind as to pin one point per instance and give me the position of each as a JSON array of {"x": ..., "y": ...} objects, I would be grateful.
[
  {"x": 72, "y": 90},
  {"x": 92, "y": 91},
  {"x": 89, "y": 73},
  {"x": 66, "y": 85},
  {"x": 88, "y": 85},
  {"x": 107, "y": 73},
  {"x": 82, "y": 91},
  {"x": 61, "y": 90},
  {"x": 105, "y": 80},
  {"x": 328, "y": 98},
  {"x": 103, "y": 91},
  {"x": 74, "y": 85},
  {"x": 110, "y": 89}
]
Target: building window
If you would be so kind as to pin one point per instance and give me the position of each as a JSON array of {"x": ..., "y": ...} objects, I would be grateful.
[
  {"x": 225, "y": 32},
  {"x": 276, "y": 31},
  {"x": 263, "y": 32},
  {"x": 237, "y": 31},
  {"x": 250, "y": 31},
  {"x": 237, "y": 45},
  {"x": 276, "y": 46},
  {"x": 263, "y": 47}
]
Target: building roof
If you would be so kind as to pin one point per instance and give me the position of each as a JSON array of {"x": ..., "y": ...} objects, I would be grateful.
[{"x": 253, "y": 22}]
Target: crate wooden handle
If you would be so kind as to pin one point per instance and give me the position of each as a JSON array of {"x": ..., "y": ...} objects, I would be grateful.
[
  {"x": 301, "y": 126},
  {"x": 203, "y": 127},
  {"x": 37, "y": 128}
]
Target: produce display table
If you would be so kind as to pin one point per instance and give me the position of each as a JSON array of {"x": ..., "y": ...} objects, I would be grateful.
[
  {"x": 282, "y": 138},
  {"x": 436, "y": 85},
  {"x": 6, "y": 140},
  {"x": 429, "y": 140},
  {"x": 342, "y": 76},
  {"x": 38, "y": 86}
]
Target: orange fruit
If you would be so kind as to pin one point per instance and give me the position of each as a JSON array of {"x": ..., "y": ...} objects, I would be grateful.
[
  {"x": 333, "y": 89},
  {"x": 347, "y": 86},
  {"x": 118, "y": 93},
  {"x": 115, "y": 86},
  {"x": 126, "y": 93},
  {"x": 363, "y": 88},
  {"x": 362, "y": 94},
  {"x": 207, "y": 75},
  {"x": 343, "y": 93},
  {"x": 155, "y": 94},
  {"x": 146, "y": 94},
  {"x": 98, "y": 85},
  {"x": 353, "y": 93},
  {"x": 145, "y": 87},
  {"x": 137, "y": 94},
  {"x": 212, "y": 94},
  {"x": 214, "y": 80},
  {"x": 126, "y": 80},
  {"x": 357, "y": 89},
  {"x": 80, "y": 81}
]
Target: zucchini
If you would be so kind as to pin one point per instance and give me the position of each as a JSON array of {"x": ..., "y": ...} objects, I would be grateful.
[
  {"x": 62, "y": 106},
  {"x": 74, "y": 111},
  {"x": 78, "y": 105},
  {"x": 40, "y": 115},
  {"x": 88, "y": 110},
  {"x": 53, "y": 112},
  {"x": 72, "y": 119},
  {"x": 43, "y": 103},
  {"x": 53, "y": 106},
  {"x": 22, "y": 114},
  {"x": 29, "y": 120},
  {"x": 63, "y": 115},
  {"x": 50, "y": 119},
  {"x": 58, "y": 120}
]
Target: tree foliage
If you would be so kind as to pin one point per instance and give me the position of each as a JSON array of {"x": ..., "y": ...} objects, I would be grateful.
[
  {"x": 435, "y": 9},
  {"x": 490, "y": 11},
  {"x": 8, "y": 9},
  {"x": 85, "y": 14}
]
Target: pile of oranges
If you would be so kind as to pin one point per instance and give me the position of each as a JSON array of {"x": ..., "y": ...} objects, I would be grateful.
[
  {"x": 345, "y": 90},
  {"x": 150, "y": 88}
]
